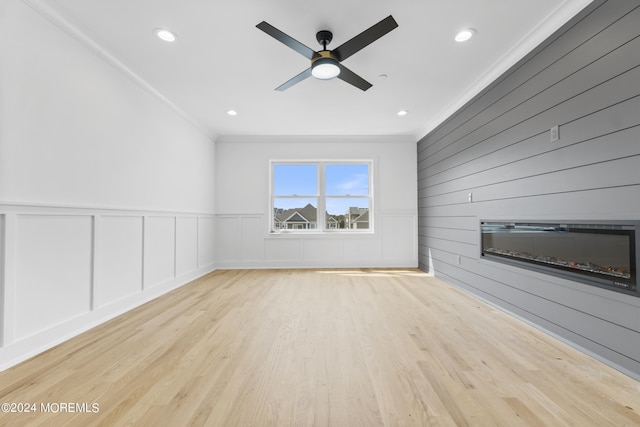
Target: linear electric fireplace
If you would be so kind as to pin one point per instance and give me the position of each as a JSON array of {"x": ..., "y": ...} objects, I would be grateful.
[{"x": 595, "y": 253}]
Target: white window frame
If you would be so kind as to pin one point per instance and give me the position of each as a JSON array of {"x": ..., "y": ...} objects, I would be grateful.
[{"x": 321, "y": 196}]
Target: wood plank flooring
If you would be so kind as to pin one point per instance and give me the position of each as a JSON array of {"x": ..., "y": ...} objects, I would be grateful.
[{"x": 319, "y": 348}]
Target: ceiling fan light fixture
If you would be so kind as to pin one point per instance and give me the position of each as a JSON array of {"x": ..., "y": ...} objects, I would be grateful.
[{"x": 325, "y": 68}]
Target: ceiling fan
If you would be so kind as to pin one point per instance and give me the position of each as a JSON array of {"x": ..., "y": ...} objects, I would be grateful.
[{"x": 326, "y": 64}]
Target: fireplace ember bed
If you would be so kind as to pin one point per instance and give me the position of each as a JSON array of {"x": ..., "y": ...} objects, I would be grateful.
[{"x": 600, "y": 254}]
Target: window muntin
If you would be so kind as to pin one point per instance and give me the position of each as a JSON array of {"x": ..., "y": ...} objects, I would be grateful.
[{"x": 321, "y": 196}]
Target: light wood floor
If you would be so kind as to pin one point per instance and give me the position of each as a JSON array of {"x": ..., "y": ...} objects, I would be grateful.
[{"x": 320, "y": 347}]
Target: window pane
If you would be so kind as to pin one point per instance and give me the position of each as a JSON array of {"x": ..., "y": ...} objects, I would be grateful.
[
  {"x": 348, "y": 213},
  {"x": 352, "y": 179},
  {"x": 289, "y": 180},
  {"x": 295, "y": 214}
]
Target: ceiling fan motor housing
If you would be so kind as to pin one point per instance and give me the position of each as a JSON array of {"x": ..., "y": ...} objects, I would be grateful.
[
  {"x": 324, "y": 37},
  {"x": 322, "y": 54}
]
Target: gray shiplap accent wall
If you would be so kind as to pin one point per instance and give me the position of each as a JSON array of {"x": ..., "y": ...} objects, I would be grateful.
[{"x": 585, "y": 79}]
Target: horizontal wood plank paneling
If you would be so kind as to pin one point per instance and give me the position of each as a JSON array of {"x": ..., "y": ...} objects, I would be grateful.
[
  {"x": 599, "y": 150},
  {"x": 497, "y": 148},
  {"x": 597, "y": 98}
]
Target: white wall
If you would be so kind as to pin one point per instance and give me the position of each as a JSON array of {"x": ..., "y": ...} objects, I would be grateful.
[
  {"x": 106, "y": 193},
  {"x": 242, "y": 201}
]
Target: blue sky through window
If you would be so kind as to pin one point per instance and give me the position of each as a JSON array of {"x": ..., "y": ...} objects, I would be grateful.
[
  {"x": 342, "y": 180},
  {"x": 289, "y": 180}
]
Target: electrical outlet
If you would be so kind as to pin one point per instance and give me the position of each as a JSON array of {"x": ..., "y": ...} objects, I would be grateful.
[
  {"x": 459, "y": 260},
  {"x": 555, "y": 133},
  {"x": 470, "y": 197}
]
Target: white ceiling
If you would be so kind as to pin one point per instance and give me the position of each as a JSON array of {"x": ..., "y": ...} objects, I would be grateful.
[{"x": 222, "y": 61}]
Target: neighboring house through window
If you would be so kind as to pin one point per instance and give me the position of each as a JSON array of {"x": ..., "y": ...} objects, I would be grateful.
[{"x": 321, "y": 196}]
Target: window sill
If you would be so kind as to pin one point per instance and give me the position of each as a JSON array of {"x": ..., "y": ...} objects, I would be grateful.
[{"x": 319, "y": 234}]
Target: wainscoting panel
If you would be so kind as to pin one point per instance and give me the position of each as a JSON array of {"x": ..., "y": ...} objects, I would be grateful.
[
  {"x": 252, "y": 230},
  {"x": 206, "y": 241},
  {"x": 53, "y": 271},
  {"x": 120, "y": 262},
  {"x": 364, "y": 252},
  {"x": 228, "y": 231},
  {"x": 324, "y": 252},
  {"x": 64, "y": 270},
  {"x": 400, "y": 237},
  {"x": 3, "y": 279},
  {"x": 159, "y": 250},
  {"x": 287, "y": 250},
  {"x": 242, "y": 241},
  {"x": 186, "y": 245}
]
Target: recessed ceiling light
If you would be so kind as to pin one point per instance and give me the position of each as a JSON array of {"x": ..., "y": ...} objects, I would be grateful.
[
  {"x": 402, "y": 113},
  {"x": 465, "y": 35},
  {"x": 232, "y": 112},
  {"x": 166, "y": 35},
  {"x": 383, "y": 76}
]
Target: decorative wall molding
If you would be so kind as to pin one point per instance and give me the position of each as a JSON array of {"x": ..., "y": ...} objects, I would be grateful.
[
  {"x": 66, "y": 269},
  {"x": 25, "y": 207},
  {"x": 243, "y": 241}
]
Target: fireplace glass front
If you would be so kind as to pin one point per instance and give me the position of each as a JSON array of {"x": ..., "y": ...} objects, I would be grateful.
[{"x": 596, "y": 254}]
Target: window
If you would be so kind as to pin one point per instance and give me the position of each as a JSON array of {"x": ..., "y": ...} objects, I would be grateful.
[{"x": 320, "y": 196}]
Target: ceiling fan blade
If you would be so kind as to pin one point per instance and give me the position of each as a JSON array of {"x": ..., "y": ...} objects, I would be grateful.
[
  {"x": 297, "y": 79},
  {"x": 294, "y": 44},
  {"x": 365, "y": 38},
  {"x": 352, "y": 78}
]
